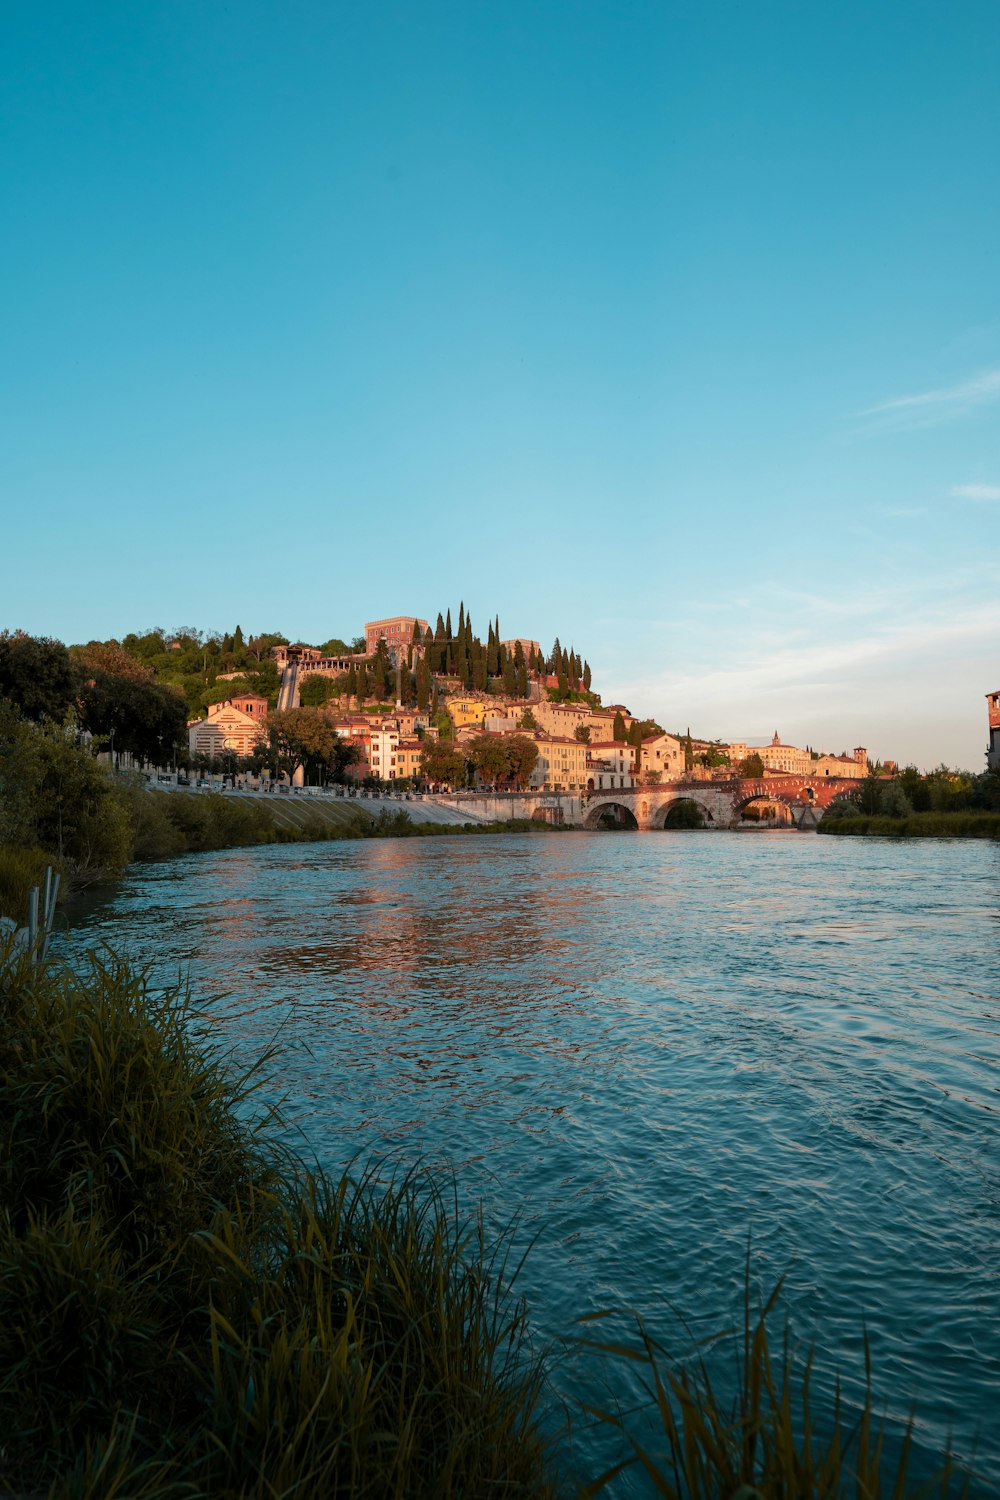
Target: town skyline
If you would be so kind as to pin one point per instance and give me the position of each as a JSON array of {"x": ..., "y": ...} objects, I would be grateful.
[
  {"x": 682, "y": 326},
  {"x": 836, "y": 740}
]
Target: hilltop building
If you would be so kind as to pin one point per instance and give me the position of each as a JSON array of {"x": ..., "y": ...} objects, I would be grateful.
[
  {"x": 526, "y": 646},
  {"x": 396, "y": 631}
]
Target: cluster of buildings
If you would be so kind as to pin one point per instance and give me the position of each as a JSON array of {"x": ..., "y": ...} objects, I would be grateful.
[{"x": 577, "y": 750}]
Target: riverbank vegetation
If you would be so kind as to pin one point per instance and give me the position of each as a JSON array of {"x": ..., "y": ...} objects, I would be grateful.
[
  {"x": 942, "y": 804},
  {"x": 188, "y": 1309},
  {"x": 60, "y": 806}
]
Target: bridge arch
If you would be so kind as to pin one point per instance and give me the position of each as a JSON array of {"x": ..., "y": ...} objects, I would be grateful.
[
  {"x": 687, "y": 811},
  {"x": 610, "y": 815}
]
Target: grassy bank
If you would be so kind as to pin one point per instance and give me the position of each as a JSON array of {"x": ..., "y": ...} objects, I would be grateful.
[
  {"x": 188, "y": 1310},
  {"x": 973, "y": 824},
  {"x": 154, "y": 825}
]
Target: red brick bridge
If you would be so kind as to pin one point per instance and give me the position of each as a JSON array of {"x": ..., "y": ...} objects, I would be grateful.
[{"x": 721, "y": 802}]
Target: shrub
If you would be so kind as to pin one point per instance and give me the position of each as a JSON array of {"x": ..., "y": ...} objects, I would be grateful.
[{"x": 20, "y": 869}]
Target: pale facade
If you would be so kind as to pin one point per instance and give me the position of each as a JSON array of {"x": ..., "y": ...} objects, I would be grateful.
[
  {"x": 789, "y": 760},
  {"x": 384, "y": 752},
  {"x": 227, "y": 730},
  {"x": 663, "y": 754},
  {"x": 609, "y": 765}
]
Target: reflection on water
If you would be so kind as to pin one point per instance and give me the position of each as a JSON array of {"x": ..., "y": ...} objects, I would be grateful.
[{"x": 646, "y": 1047}]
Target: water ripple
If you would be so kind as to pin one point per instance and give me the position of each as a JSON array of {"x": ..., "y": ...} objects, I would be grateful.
[{"x": 646, "y": 1046}]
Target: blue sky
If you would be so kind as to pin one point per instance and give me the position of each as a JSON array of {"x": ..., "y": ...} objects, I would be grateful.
[{"x": 673, "y": 330}]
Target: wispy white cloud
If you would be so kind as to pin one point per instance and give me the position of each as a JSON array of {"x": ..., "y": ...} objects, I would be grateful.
[
  {"x": 975, "y": 491},
  {"x": 927, "y": 407},
  {"x": 899, "y": 667}
]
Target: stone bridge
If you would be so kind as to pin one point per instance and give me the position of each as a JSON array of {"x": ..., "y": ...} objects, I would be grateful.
[
  {"x": 647, "y": 807},
  {"x": 721, "y": 802}
]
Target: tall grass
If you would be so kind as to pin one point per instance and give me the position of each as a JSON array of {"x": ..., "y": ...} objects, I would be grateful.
[
  {"x": 20, "y": 869},
  {"x": 186, "y": 1310}
]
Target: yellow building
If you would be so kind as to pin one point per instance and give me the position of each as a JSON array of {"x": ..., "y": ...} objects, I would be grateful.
[
  {"x": 561, "y": 765},
  {"x": 467, "y": 709}
]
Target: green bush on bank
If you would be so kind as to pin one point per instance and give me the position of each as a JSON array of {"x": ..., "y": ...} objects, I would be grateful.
[{"x": 926, "y": 825}]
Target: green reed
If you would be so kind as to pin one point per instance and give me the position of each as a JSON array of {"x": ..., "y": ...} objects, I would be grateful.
[{"x": 187, "y": 1310}]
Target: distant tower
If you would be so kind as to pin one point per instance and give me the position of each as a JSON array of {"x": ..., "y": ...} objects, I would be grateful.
[
  {"x": 993, "y": 748},
  {"x": 861, "y": 756},
  {"x": 776, "y": 740}
]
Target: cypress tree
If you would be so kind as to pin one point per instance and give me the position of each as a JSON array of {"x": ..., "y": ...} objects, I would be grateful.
[
  {"x": 586, "y": 677},
  {"x": 352, "y": 681},
  {"x": 447, "y": 627},
  {"x": 439, "y": 628},
  {"x": 461, "y": 620},
  {"x": 423, "y": 684},
  {"x": 618, "y": 732}
]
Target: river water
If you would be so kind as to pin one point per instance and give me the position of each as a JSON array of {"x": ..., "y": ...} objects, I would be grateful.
[{"x": 647, "y": 1047}]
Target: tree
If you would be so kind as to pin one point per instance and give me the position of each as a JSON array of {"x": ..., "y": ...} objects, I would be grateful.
[
  {"x": 488, "y": 754},
  {"x": 582, "y": 733},
  {"x": 335, "y": 647},
  {"x": 38, "y": 675},
  {"x": 138, "y": 715},
  {"x": 503, "y": 758},
  {"x": 381, "y": 673},
  {"x": 618, "y": 731},
  {"x": 520, "y": 671},
  {"x": 423, "y": 684},
  {"x": 304, "y": 736},
  {"x": 528, "y": 721},
  {"x": 78, "y": 815},
  {"x": 894, "y": 802},
  {"x": 752, "y": 768},
  {"x": 316, "y": 689},
  {"x": 20, "y": 775},
  {"x": 441, "y": 762},
  {"x": 523, "y": 755}
]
